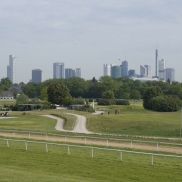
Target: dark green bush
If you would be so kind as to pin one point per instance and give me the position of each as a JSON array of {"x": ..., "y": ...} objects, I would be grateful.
[{"x": 122, "y": 102}]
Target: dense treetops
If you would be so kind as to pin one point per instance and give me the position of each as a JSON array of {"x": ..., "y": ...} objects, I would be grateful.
[
  {"x": 154, "y": 99},
  {"x": 122, "y": 88}
]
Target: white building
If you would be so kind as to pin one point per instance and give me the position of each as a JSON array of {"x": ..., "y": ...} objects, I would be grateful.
[
  {"x": 11, "y": 69},
  {"x": 58, "y": 70},
  {"x": 78, "y": 72},
  {"x": 162, "y": 67},
  {"x": 145, "y": 71},
  {"x": 169, "y": 73},
  {"x": 107, "y": 70}
]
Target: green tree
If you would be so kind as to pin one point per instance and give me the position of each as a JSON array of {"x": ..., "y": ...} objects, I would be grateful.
[
  {"x": 22, "y": 99},
  {"x": 135, "y": 94},
  {"x": 43, "y": 93},
  {"x": 149, "y": 94},
  {"x": 5, "y": 84},
  {"x": 108, "y": 94},
  {"x": 58, "y": 94}
]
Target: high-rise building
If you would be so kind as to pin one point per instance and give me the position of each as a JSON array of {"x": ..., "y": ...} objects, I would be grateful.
[
  {"x": 145, "y": 71},
  {"x": 149, "y": 74},
  {"x": 58, "y": 70},
  {"x": 162, "y": 67},
  {"x": 116, "y": 71},
  {"x": 124, "y": 71},
  {"x": 69, "y": 73},
  {"x": 78, "y": 72},
  {"x": 37, "y": 75},
  {"x": 156, "y": 59},
  {"x": 131, "y": 73},
  {"x": 11, "y": 69},
  {"x": 169, "y": 73},
  {"x": 107, "y": 70}
]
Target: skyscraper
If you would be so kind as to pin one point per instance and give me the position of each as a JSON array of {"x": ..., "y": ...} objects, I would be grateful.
[
  {"x": 37, "y": 75},
  {"x": 162, "y": 67},
  {"x": 156, "y": 58},
  {"x": 11, "y": 69},
  {"x": 58, "y": 70},
  {"x": 145, "y": 71},
  {"x": 124, "y": 68},
  {"x": 149, "y": 74},
  {"x": 169, "y": 74},
  {"x": 78, "y": 72},
  {"x": 116, "y": 71},
  {"x": 107, "y": 70},
  {"x": 131, "y": 73},
  {"x": 69, "y": 73}
]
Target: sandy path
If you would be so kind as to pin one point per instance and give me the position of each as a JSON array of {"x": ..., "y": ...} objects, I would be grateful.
[
  {"x": 80, "y": 126},
  {"x": 87, "y": 141}
]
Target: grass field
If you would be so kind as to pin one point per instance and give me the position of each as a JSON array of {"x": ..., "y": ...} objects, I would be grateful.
[
  {"x": 35, "y": 164},
  {"x": 135, "y": 121}
]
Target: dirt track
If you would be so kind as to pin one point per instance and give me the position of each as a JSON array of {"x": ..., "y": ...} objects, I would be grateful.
[{"x": 87, "y": 141}]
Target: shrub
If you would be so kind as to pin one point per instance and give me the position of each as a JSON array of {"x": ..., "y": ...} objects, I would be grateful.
[
  {"x": 122, "y": 102},
  {"x": 166, "y": 103},
  {"x": 105, "y": 102}
]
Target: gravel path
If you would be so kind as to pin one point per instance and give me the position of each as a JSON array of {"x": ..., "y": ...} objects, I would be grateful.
[{"x": 80, "y": 126}]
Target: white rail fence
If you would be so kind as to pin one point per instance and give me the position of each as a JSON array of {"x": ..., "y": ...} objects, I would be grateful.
[
  {"x": 89, "y": 147},
  {"x": 85, "y": 138}
]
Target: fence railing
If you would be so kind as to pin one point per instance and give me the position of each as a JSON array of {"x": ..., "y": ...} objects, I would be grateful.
[
  {"x": 88, "y": 147},
  {"x": 85, "y": 139}
]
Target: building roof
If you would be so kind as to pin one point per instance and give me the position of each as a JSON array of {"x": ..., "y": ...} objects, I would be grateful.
[{"x": 7, "y": 94}]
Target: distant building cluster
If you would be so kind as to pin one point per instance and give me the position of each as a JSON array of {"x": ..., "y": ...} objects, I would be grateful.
[
  {"x": 37, "y": 74},
  {"x": 161, "y": 72},
  {"x": 116, "y": 71},
  {"x": 60, "y": 72}
]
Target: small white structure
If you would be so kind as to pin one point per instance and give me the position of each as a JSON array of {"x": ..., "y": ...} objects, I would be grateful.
[
  {"x": 93, "y": 104},
  {"x": 6, "y": 95}
]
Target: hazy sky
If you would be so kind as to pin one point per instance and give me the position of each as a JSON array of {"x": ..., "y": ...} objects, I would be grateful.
[{"x": 88, "y": 33}]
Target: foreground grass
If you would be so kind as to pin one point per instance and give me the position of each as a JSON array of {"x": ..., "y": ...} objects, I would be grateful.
[
  {"x": 133, "y": 120},
  {"x": 35, "y": 164}
]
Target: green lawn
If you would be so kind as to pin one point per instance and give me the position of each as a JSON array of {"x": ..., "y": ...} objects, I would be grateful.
[
  {"x": 132, "y": 120},
  {"x": 35, "y": 164}
]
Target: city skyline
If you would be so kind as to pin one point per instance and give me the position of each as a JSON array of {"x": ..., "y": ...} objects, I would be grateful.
[{"x": 42, "y": 32}]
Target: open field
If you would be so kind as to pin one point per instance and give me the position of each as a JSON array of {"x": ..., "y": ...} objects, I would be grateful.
[
  {"x": 131, "y": 121},
  {"x": 35, "y": 164}
]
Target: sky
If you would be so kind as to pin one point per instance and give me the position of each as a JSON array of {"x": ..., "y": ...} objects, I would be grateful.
[{"x": 89, "y": 33}]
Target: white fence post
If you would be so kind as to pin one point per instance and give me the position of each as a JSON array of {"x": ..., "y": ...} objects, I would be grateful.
[
  {"x": 131, "y": 144},
  {"x": 157, "y": 146},
  {"x": 68, "y": 150},
  {"x": 92, "y": 153},
  {"x": 46, "y": 147},
  {"x": 85, "y": 141},
  {"x": 26, "y": 145},
  {"x": 29, "y": 136},
  {"x": 7, "y": 144},
  {"x": 121, "y": 157},
  {"x": 152, "y": 162}
]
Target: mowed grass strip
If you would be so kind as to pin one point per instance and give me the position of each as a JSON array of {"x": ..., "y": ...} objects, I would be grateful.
[{"x": 36, "y": 164}]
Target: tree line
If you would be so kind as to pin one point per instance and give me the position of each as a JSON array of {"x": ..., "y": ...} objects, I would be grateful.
[{"x": 120, "y": 88}]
